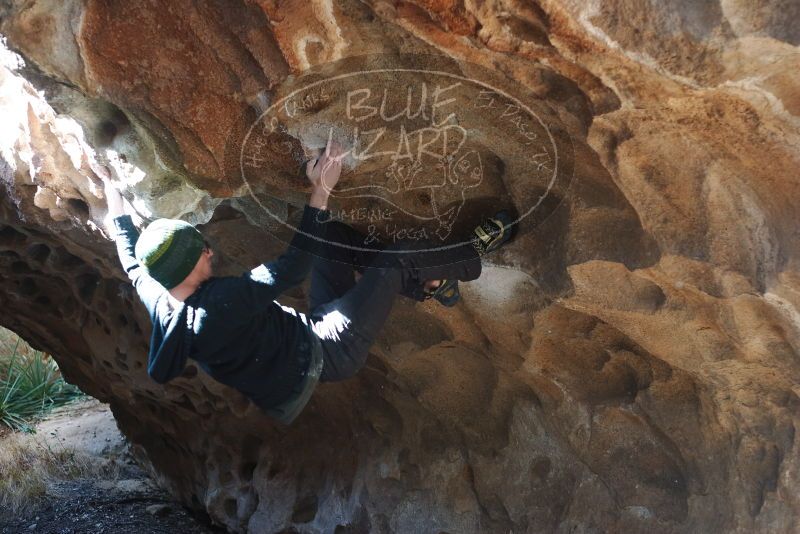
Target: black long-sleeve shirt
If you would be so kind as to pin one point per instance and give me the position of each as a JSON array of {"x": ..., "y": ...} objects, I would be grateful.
[{"x": 232, "y": 326}]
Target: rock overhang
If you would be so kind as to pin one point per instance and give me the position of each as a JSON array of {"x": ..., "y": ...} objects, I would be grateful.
[{"x": 628, "y": 364}]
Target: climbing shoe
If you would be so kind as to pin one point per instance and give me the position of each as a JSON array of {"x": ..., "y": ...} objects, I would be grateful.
[
  {"x": 447, "y": 293},
  {"x": 493, "y": 232}
]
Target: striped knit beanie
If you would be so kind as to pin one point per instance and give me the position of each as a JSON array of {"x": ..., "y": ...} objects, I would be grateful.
[{"x": 168, "y": 249}]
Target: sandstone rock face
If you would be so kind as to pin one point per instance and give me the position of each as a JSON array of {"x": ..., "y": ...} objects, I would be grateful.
[{"x": 629, "y": 363}]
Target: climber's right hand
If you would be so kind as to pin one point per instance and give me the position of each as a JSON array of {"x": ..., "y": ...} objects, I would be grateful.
[{"x": 323, "y": 172}]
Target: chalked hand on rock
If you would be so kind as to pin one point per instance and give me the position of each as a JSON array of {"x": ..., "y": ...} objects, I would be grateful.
[{"x": 323, "y": 172}]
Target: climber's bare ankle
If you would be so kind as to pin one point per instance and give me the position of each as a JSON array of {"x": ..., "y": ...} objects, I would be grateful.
[{"x": 432, "y": 284}]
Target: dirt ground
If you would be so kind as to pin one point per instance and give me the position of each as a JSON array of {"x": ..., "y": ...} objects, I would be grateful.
[{"x": 127, "y": 501}]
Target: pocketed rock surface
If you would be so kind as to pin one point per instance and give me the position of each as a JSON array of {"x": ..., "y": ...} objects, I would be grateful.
[{"x": 628, "y": 364}]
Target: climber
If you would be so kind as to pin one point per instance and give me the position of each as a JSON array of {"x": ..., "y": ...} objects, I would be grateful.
[{"x": 235, "y": 330}]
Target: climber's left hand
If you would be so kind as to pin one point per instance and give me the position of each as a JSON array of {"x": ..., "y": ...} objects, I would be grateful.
[
  {"x": 115, "y": 202},
  {"x": 114, "y": 199}
]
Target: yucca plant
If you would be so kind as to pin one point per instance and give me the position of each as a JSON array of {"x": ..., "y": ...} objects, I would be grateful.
[{"x": 30, "y": 386}]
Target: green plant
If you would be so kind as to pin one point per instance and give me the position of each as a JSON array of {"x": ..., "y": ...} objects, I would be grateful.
[{"x": 30, "y": 386}]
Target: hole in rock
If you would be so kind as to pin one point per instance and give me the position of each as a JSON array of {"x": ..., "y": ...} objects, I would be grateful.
[
  {"x": 540, "y": 468},
  {"x": 43, "y": 300},
  {"x": 87, "y": 284},
  {"x": 38, "y": 252},
  {"x": 123, "y": 321},
  {"x": 10, "y": 237},
  {"x": 225, "y": 212},
  {"x": 20, "y": 267},
  {"x": 106, "y": 132},
  {"x": 246, "y": 471},
  {"x": 305, "y": 510},
  {"x": 251, "y": 447},
  {"x": 230, "y": 508},
  {"x": 28, "y": 287},
  {"x": 78, "y": 206},
  {"x": 189, "y": 372},
  {"x": 10, "y": 255},
  {"x": 314, "y": 53},
  {"x": 224, "y": 458},
  {"x": 69, "y": 306},
  {"x": 114, "y": 124},
  {"x": 275, "y": 467},
  {"x": 66, "y": 261},
  {"x": 186, "y": 404}
]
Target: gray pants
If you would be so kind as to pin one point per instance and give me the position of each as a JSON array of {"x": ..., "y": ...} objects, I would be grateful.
[{"x": 347, "y": 315}]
